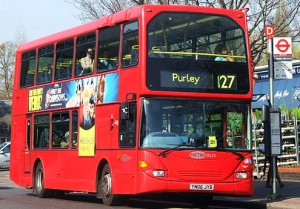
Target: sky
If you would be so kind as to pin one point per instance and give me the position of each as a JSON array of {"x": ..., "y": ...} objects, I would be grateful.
[{"x": 35, "y": 18}]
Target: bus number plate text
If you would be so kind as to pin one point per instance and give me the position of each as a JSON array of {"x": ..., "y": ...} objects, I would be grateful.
[{"x": 201, "y": 187}]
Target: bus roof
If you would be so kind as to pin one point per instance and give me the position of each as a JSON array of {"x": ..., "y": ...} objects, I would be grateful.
[{"x": 116, "y": 18}]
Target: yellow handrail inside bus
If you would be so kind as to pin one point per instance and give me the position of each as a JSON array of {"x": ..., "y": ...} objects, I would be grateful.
[
  {"x": 105, "y": 58},
  {"x": 127, "y": 56},
  {"x": 30, "y": 71},
  {"x": 157, "y": 51},
  {"x": 135, "y": 47}
]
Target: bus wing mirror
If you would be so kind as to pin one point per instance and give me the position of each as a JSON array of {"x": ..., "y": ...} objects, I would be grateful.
[
  {"x": 125, "y": 110},
  {"x": 1, "y": 152}
]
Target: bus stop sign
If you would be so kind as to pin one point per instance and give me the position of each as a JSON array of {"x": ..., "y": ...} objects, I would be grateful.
[
  {"x": 282, "y": 46},
  {"x": 269, "y": 31}
]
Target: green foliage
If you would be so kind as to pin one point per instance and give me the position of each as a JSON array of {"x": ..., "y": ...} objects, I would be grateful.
[
  {"x": 290, "y": 112},
  {"x": 258, "y": 115},
  {"x": 234, "y": 121},
  {"x": 295, "y": 111},
  {"x": 283, "y": 108}
]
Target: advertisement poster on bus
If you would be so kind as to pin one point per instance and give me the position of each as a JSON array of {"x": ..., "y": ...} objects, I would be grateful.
[{"x": 84, "y": 93}]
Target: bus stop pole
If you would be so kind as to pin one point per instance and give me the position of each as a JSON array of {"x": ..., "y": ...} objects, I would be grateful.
[
  {"x": 271, "y": 72},
  {"x": 271, "y": 76}
]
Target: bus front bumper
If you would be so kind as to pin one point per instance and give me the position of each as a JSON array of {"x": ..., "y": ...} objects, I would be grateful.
[{"x": 150, "y": 184}]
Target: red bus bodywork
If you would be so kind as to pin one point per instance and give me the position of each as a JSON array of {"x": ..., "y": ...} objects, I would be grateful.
[{"x": 64, "y": 169}]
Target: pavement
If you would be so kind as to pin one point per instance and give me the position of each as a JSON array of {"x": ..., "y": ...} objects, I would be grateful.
[{"x": 287, "y": 197}]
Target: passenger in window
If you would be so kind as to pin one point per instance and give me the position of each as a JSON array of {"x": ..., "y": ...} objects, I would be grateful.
[
  {"x": 134, "y": 55},
  {"x": 44, "y": 138},
  {"x": 29, "y": 79},
  {"x": 65, "y": 142},
  {"x": 74, "y": 141},
  {"x": 203, "y": 50},
  {"x": 105, "y": 61},
  {"x": 57, "y": 137},
  {"x": 222, "y": 50},
  {"x": 48, "y": 73},
  {"x": 87, "y": 62}
]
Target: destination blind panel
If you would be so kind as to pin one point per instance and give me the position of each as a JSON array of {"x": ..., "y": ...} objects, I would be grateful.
[
  {"x": 204, "y": 77},
  {"x": 186, "y": 80}
]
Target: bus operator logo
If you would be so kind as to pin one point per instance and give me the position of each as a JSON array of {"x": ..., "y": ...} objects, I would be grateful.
[{"x": 201, "y": 155}]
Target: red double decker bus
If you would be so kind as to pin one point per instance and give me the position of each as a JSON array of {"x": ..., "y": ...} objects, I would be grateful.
[{"x": 153, "y": 99}]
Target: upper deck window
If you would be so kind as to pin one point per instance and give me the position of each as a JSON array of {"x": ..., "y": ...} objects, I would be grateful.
[
  {"x": 108, "y": 51},
  {"x": 195, "y": 36},
  {"x": 28, "y": 68},
  {"x": 130, "y": 44},
  {"x": 64, "y": 59},
  {"x": 85, "y": 53},
  {"x": 196, "y": 52},
  {"x": 45, "y": 64}
]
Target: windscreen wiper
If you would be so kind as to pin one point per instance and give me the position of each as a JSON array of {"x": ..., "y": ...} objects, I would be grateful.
[
  {"x": 163, "y": 153},
  {"x": 230, "y": 150},
  {"x": 238, "y": 154}
]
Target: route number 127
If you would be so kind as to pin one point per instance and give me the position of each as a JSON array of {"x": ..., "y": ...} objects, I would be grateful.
[{"x": 226, "y": 81}]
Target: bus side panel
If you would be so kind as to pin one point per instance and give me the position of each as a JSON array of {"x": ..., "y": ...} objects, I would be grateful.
[
  {"x": 107, "y": 119},
  {"x": 17, "y": 167},
  {"x": 122, "y": 161},
  {"x": 124, "y": 165},
  {"x": 67, "y": 170},
  {"x": 20, "y": 102}
]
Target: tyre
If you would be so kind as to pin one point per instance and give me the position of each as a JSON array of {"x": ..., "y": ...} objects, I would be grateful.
[
  {"x": 105, "y": 189},
  {"x": 39, "y": 188}
]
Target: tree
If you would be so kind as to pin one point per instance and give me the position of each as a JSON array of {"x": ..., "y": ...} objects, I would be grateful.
[
  {"x": 261, "y": 13},
  {"x": 7, "y": 61},
  {"x": 94, "y": 9},
  {"x": 20, "y": 35}
]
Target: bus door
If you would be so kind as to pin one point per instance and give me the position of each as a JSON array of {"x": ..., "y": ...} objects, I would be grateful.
[
  {"x": 107, "y": 131},
  {"x": 27, "y": 153}
]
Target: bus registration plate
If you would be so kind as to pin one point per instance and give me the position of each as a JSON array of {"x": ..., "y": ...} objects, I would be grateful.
[{"x": 201, "y": 187}]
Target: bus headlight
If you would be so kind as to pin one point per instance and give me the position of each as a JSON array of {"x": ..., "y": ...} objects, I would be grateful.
[
  {"x": 241, "y": 175},
  {"x": 158, "y": 173}
]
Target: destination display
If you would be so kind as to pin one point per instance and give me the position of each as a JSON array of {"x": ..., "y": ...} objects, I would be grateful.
[
  {"x": 204, "y": 77},
  {"x": 201, "y": 80},
  {"x": 186, "y": 80}
]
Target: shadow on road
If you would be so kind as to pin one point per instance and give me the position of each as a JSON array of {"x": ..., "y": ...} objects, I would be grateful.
[{"x": 4, "y": 188}]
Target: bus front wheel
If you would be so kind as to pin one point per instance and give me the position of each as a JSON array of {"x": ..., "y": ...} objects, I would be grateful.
[
  {"x": 105, "y": 188},
  {"x": 39, "y": 188}
]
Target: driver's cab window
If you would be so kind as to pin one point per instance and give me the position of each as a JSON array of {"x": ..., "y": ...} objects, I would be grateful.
[{"x": 127, "y": 124}]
